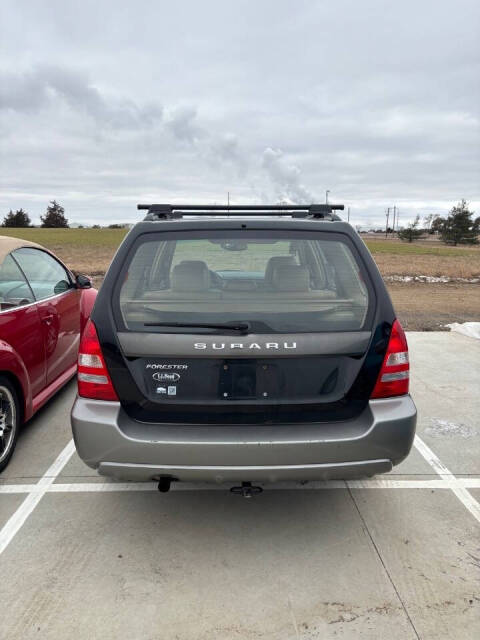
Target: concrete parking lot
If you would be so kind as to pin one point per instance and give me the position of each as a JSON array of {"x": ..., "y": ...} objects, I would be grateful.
[{"x": 396, "y": 556}]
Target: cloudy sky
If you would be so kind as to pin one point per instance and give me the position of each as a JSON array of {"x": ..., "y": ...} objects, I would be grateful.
[{"x": 107, "y": 103}]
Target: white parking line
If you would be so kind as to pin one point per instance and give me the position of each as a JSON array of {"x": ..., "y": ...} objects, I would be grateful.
[
  {"x": 110, "y": 487},
  {"x": 16, "y": 521},
  {"x": 461, "y": 492}
]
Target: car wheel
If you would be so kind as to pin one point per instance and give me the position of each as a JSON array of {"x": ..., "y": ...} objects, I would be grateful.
[{"x": 9, "y": 421}]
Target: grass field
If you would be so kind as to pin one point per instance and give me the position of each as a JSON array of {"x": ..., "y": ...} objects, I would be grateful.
[
  {"x": 78, "y": 238},
  {"x": 91, "y": 250},
  {"x": 397, "y": 247},
  {"x": 419, "y": 306},
  {"x": 110, "y": 238}
]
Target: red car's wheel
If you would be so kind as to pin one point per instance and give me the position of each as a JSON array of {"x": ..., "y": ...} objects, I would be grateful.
[{"x": 9, "y": 421}]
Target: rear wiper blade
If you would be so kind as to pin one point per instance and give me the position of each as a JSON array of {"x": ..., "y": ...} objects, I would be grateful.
[{"x": 242, "y": 327}]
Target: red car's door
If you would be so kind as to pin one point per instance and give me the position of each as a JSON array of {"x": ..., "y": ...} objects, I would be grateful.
[
  {"x": 21, "y": 346},
  {"x": 60, "y": 318},
  {"x": 58, "y": 306}
]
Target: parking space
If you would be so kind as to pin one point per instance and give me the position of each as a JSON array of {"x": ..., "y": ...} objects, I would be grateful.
[
  {"x": 396, "y": 556},
  {"x": 446, "y": 379}
]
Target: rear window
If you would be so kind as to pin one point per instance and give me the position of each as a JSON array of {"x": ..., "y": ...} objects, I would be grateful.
[{"x": 277, "y": 282}]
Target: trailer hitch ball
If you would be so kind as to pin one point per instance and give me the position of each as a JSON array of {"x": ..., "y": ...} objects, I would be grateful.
[{"x": 247, "y": 490}]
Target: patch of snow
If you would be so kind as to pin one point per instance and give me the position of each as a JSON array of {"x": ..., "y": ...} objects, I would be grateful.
[
  {"x": 470, "y": 329},
  {"x": 429, "y": 279},
  {"x": 398, "y": 278},
  {"x": 432, "y": 278}
]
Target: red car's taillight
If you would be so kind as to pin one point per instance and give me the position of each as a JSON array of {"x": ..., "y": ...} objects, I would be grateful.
[
  {"x": 93, "y": 378},
  {"x": 394, "y": 375}
]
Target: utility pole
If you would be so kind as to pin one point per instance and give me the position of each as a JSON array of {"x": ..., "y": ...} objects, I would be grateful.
[
  {"x": 326, "y": 195},
  {"x": 386, "y": 226},
  {"x": 394, "y": 213},
  {"x": 348, "y": 215}
]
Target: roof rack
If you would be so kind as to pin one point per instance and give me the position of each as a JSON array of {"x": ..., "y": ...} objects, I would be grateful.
[{"x": 172, "y": 211}]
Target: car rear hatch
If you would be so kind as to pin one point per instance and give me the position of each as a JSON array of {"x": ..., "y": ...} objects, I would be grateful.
[{"x": 244, "y": 326}]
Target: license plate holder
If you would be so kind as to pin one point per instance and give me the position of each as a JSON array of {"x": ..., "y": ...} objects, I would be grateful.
[{"x": 247, "y": 380}]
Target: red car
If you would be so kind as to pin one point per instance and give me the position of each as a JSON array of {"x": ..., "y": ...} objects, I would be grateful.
[{"x": 43, "y": 309}]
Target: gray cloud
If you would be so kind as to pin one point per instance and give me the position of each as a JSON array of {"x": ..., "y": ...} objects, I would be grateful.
[
  {"x": 286, "y": 178},
  {"x": 182, "y": 123},
  {"x": 43, "y": 87},
  {"x": 226, "y": 151}
]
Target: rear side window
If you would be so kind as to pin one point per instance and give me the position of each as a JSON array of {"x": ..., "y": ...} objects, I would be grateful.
[
  {"x": 14, "y": 290},
  {"x": 277, "y": 282}
]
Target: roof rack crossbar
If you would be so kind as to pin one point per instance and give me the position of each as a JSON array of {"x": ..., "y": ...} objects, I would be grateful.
[{"x": 169, "y": 211}]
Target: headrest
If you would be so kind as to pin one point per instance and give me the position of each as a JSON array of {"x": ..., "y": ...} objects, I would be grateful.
[
  {"x": 274, "y": 262},
  {"x": 291, "y": 277},
  {"x": 190, "y": 275}
]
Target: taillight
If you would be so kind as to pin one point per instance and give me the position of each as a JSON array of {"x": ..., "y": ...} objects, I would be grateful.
[
  {"x": 93, "y": 378},
  {"x": 394, "y": 374}
]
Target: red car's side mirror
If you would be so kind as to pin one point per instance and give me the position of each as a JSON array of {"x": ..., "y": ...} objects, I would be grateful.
[{"x": 83, "y": 282}]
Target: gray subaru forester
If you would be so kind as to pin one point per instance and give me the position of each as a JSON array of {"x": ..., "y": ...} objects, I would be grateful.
[{"x": 240, "y": 345}]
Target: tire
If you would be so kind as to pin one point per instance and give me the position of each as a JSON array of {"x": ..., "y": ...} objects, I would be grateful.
[{"x": 9, "y": 421}]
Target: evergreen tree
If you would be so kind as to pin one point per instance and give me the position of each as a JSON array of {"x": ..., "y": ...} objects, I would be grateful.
[
  {"x": 412, "y": 232},
  {"x": 18, "y": 219},
  {"x": 459, "y": 227},
  {"x": 54, "y": 216},
  {"x": 437, "y": 224}
]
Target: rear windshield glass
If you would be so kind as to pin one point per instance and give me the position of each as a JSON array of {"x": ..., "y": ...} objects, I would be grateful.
[{"x": 271, "y": 281}]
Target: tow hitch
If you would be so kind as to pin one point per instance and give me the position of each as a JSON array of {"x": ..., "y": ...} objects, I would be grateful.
[
  {"x": 164, "y": 483},
  {"x": 246, "y": 490}
]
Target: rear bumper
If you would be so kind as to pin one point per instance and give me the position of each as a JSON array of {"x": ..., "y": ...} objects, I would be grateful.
[{"x": 114, "y": 444}]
